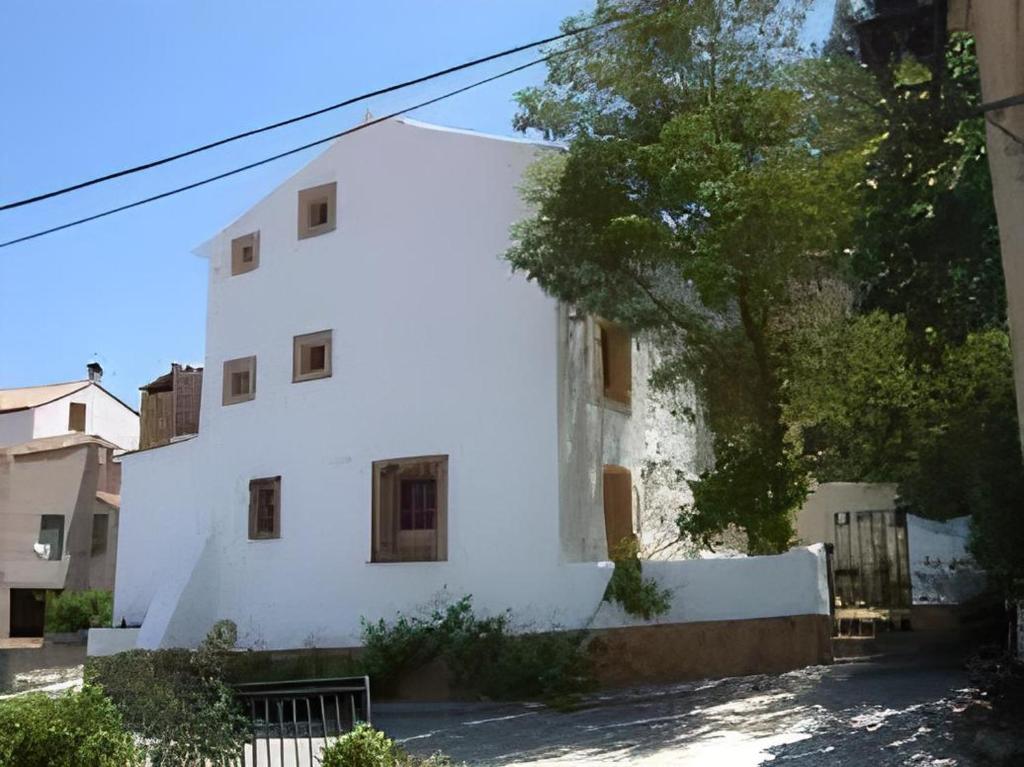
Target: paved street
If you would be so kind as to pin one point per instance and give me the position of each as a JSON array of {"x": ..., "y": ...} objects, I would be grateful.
[{"x": 909, "y": 712}]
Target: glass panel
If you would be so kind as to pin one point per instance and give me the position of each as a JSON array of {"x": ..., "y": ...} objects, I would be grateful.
[
  {"x": 100, "y": 525},
  {"x": 51, "y": 533},
  {"x": 317, "y": 357}
]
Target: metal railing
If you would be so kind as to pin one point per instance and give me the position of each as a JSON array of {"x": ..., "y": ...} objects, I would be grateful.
[{"x": 310, "y": 710}]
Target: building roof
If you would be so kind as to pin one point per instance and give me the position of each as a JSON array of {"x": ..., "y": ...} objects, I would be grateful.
[
  {"x": 34, "y": 396},
  {"x": 111, "y": 499},
  {"x": 165, "y": 382},
  {"x": 58, "y": 442}
]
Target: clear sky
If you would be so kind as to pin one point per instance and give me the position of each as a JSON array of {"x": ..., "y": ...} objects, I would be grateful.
[{"x": 90, "y": 86}]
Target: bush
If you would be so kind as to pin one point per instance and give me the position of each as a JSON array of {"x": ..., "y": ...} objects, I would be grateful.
[
  {"x": 69, "y": 611},
  {"x": 176, "y": 700},
  {"x": 77, "y": 729},
  {"x": 367, "y": 747},
  {"x": 638, "y": 596},
  {"x": 482, "y": 654}
]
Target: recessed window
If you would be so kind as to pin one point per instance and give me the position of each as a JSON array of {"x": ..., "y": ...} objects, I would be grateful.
[
  {"x": 265, "y": 508},
  {"x": 76, "y": 416},
  {"x": 318, "y": 210},
  {"x": 311, "y": 356},
  {"x": 51, "y": 536},
  {"x": 615, "y": 347},
  {"x": 245, "y": 253},
  {"x": 618, "y": 507},
  {"x": 410, "y": 509},
  {"x": 239, "y": 380},
  {"x": 100, "y": 528}
]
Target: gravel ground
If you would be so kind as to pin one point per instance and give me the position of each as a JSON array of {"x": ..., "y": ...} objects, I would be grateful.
[{"x": 915, "y": 712}]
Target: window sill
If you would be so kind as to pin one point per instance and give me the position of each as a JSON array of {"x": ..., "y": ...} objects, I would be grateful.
[
  {"x": 411, "y": 562},
  {"x": 614, "y": 404},
  {"x": 310, "y": 377},
  {"x": 316, "y": 231}
]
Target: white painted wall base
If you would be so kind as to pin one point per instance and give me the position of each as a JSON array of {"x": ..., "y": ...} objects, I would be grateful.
[{"x": 110, "y": 641}]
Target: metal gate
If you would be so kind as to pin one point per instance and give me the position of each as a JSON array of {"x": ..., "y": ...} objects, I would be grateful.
[
  {"x": 871, "y": 560},
  {"x": 292, "y": 721}
]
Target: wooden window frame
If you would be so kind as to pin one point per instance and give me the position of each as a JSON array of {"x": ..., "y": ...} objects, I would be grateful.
[
  {"x": 75, "y": 409},
  {"x": 323, "y": 338},
  {"x": 58, "y": 555},
  {"x": 238, "y": 365},
  {"x": 617, "y": 504},
  {"x": 385, "y": 544},
  {"x": 316, "y": 195},
  {"x": 614, "y": 360},
  {"x": 255, "y": 486},
  {"x": 238, "y": 245}
]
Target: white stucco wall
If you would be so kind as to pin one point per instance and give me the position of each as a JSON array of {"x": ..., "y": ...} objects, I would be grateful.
[
  {"x": 104, "y": 417},
  {"x": 942, "y": 570},
  {"x": 738, "y": 588},
  {"x": 16, "y": 427},
  {"x": 815, "y": 522},
  {"x": 438, "y": 349}
]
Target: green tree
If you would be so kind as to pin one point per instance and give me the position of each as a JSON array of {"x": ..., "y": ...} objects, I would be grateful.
[
  {"x": 927, "y": 240},
  {"x": 704, "y": 179}
]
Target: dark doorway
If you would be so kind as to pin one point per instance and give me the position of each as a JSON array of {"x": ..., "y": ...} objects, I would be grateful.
[{"x": 28, "y": 612}]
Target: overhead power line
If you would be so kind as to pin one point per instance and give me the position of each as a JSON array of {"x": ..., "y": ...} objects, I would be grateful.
[
  {"x": 300, "y": 118},
  {"x": 296, "y": 150}
]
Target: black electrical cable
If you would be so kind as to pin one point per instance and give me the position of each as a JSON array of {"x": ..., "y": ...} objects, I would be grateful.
[
  {"x": 218, "y": 177},
  {"x": 299, "y": 118}
]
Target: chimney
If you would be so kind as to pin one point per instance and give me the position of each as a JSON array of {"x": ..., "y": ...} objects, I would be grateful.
[{"x": 95, "y": 372}]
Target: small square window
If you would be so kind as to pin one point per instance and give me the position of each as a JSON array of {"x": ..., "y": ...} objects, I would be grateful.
[
  {"x": 410, "y": 509},
  {"x": 265, "y": 508},
  {"x": 311, "y": 356},
  {"x": 245, "y": 253},
  {"x": 318, "y": 210},
  {"x": 76, "y": 416},
  {"x": 239, "y": 380}
]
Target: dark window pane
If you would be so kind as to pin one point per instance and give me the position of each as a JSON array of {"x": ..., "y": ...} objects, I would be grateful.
[
  {"x": 100, "y": 524},
  {"x": 51, "y": 533},
  {"x": 317, "y": 357}
]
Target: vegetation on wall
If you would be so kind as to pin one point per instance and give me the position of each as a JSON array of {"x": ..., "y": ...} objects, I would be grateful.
[
  {"x": 76, "y": 729},
  {"x": 482, "y": 655},
  {"x": 177, "y": 701},
  {"x": 69, "y": 611},
  {"x": 638, "y": 596}
]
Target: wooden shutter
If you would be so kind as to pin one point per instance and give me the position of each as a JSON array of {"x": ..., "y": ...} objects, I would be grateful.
[{"x": 618, "y": 506}]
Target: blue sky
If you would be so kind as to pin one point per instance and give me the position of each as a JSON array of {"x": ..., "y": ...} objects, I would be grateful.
[{"x": 90, "y": 86}]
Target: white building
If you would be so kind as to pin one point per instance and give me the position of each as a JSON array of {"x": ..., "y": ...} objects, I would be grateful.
[
  {"x": 389, "y": 413},
  {"x": 84, "y": 406}
]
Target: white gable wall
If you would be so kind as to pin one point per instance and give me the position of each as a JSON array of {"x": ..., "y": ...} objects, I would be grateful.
[
  {"x": 105, "y": 417},
  {"x": 438, "y": 349}
]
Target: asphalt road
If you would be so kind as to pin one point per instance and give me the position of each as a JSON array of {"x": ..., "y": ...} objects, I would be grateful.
[{"x": 909, "y": 711}]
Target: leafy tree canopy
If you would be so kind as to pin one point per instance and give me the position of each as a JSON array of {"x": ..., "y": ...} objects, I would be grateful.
[{"x": 706, "y": 177}]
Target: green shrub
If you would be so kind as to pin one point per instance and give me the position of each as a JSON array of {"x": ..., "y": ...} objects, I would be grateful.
[
  {"x": 176, "y": 700},
  {"x": 367, "y": 747},
  {"x": 482, "y": 655},
  {"x": 77, "y": 729},
  {"x": 638, "y": 596},
  {"x": 76, "y": 610}
]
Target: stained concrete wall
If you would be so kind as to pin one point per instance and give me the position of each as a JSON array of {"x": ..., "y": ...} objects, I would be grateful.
[
  {"x": 942, "y": 570},
  {"x": 660, "y": 437}
]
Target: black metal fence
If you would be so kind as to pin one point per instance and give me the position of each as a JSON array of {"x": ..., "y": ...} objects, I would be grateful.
[{"x": 306, "y": 712}]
